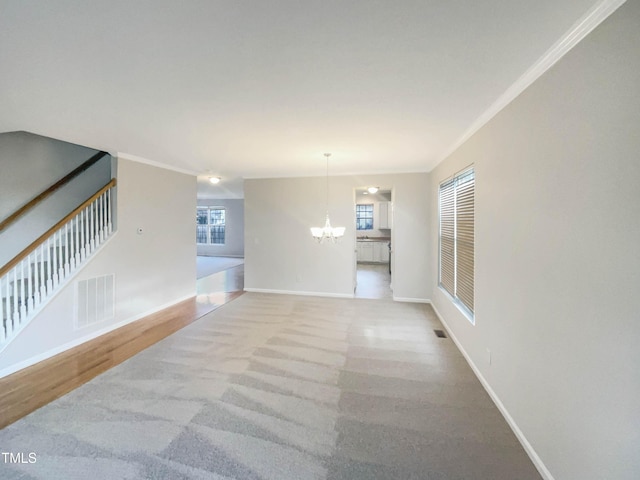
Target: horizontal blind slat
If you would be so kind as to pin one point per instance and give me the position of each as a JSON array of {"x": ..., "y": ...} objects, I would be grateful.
[
  {"x": 457, "y": 235},
  {"x": 465, "y": 236}
]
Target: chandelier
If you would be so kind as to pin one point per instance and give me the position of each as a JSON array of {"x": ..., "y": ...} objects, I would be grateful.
[{"x": 327, "y": 232}]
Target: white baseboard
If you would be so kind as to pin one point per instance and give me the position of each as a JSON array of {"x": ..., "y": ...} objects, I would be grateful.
[
  {"x": 411, "y": 300},
  {"x": 297, "y": 292},
  {"x": 533, "y": 455},
  {"x": 74, "y": 343}
]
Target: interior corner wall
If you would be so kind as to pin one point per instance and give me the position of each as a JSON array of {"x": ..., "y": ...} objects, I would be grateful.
[
  {"x": 281, "y": 255},
  {"x": 233, "y": 231},
  {"x": 152, "y": 270},
  {"x": 557, "y": 264}
]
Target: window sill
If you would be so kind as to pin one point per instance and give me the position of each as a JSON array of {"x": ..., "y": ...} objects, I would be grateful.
[{"x": 459, "y": 305}]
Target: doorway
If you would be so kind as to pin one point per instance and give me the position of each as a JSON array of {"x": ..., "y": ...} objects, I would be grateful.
[{"x": 373, "y": 249}]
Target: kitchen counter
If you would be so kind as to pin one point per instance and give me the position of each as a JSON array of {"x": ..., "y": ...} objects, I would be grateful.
[{"x": 374, "y": 239}]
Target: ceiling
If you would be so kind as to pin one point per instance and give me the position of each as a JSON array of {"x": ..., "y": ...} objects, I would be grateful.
[{"x": 255, "y": 88}]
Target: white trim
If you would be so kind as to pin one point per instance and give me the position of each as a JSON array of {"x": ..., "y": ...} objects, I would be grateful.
[
  {"x": 533, "y": 455},
  {"x": 153, "y": 163},
  {"x": 297, "y": 292},
  {"x": 411, "y": 300},
  {"x": 74, "y": 343},
  {"x": 590, "y": 20}
]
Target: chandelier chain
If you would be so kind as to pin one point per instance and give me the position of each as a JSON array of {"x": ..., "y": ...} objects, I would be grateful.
[{"x": 327, "y": 155}]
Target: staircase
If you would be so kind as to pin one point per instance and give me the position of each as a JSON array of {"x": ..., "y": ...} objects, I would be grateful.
[{"x": 33, "y": 277}]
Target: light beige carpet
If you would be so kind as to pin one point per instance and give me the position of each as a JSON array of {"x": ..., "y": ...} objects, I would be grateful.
[{"x": 279, "y": 387}]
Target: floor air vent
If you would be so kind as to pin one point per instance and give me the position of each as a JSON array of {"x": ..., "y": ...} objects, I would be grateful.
[
  {"x": 440, "y": 333},
  {"x": 94, "y": 300}
]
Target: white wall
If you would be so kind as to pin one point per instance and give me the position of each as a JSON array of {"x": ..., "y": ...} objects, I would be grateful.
[
  {"x": 41, "y": 161},
  {"x": 152, "y": 270},
  {"x": 557, "y": 264},
  {"x": 234, "y": 228},
  {"x": 281, "y": 255}
]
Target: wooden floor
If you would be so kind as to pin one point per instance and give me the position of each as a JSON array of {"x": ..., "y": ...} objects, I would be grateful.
[{"x": 29, "y": 389}]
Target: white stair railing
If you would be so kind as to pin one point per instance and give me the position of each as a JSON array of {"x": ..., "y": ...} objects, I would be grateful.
[{"x": 29, "y": 280}]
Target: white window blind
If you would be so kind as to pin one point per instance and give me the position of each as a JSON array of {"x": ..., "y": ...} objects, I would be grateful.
[{"x": 456, "y": 202}]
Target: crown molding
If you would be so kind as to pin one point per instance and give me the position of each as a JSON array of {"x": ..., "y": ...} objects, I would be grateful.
[
  {"x": 589, "y": 21},
  {"x": 153, "y": 163}
]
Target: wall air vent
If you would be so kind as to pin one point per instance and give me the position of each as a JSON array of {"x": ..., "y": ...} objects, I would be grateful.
[{"x": 95, "y": 300}]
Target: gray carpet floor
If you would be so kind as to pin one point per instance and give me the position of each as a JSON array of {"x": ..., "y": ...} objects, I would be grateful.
[
  {"x": 206, "y": 266},
  {"x": 279, "y": 387}
]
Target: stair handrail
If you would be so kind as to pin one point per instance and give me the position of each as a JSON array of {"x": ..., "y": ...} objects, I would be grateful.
[
  {"x": 50, "y": 190},
  {"x": 24, "y": 253}
]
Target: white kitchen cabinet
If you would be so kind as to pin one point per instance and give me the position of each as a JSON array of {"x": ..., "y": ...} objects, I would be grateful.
[
  {"x": 385, "y": 215},
  {"x": 373, "y": 252},
  {"x": 376, "y": 251},
  {"x": 381, "y": 252},
  {"x": 365, "y": 251}
]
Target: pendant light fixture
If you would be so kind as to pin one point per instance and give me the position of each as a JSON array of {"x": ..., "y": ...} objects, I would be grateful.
[{"x": 327, "y": 232}]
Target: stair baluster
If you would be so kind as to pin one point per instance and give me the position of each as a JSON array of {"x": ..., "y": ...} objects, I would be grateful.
[
  {"x": 76, "y": 255},
  {"x": 29, "y": 280}
]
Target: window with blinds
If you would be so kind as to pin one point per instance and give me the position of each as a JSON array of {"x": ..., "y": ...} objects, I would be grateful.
[
  {"x": 456, "y": 212},
  {"x": 210, "y": 225}
]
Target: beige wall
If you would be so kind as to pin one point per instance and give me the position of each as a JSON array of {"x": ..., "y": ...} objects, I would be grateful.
[
  {"x": 152, "y": 270},
  {"x": 557, "y": 264},
  {"x": 281, "y": 255}
]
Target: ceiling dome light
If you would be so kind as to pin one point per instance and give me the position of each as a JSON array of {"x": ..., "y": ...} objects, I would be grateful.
[
  {"x": 372, "y": 189},
  {"x": 214, "y": 180}
]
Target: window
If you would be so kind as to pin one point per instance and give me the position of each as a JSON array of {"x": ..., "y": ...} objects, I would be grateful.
[
  {"x": 456, "y": 213},
  {"x": 210, "y": 225},
  {"x": 364, "y": 217}
]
